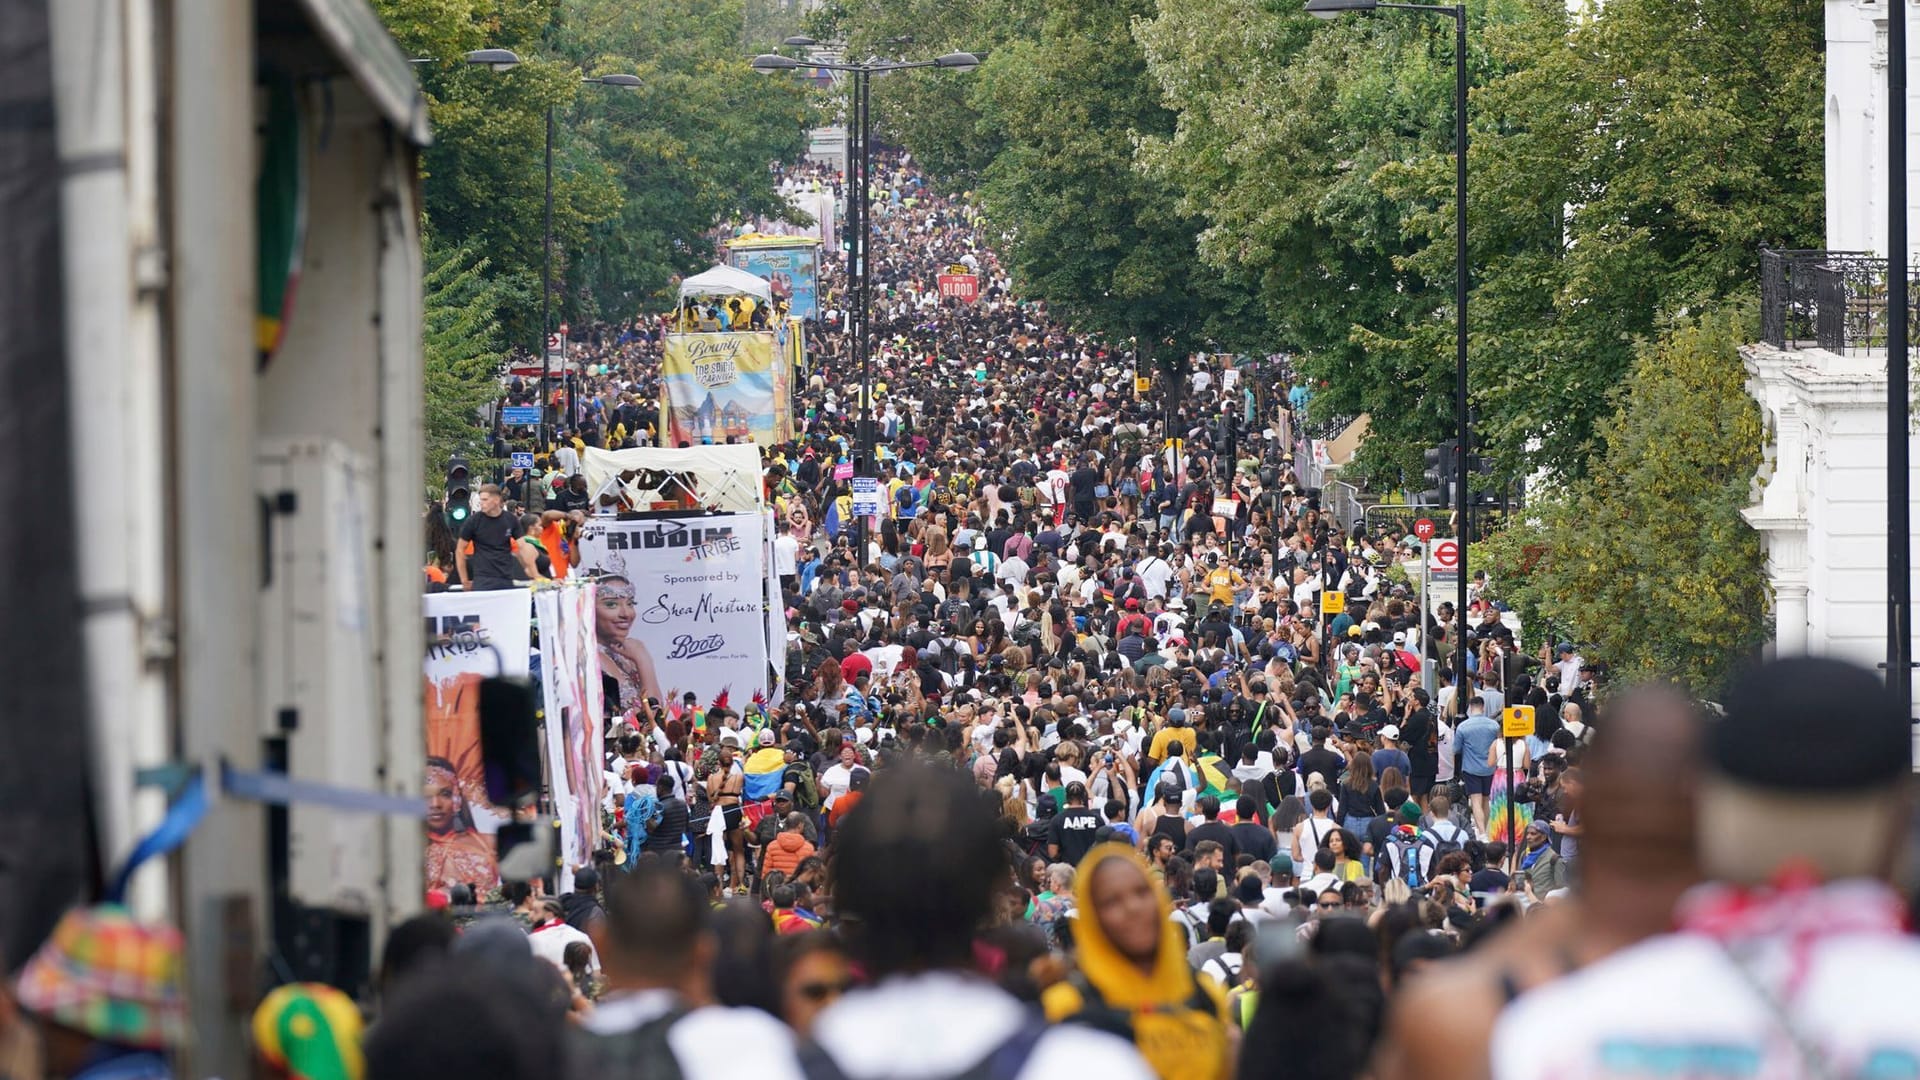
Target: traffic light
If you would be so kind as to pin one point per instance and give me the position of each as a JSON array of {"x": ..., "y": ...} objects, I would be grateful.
[
  {"x": 459, "y": 492},
  {"x": 1439, "y": 474}
]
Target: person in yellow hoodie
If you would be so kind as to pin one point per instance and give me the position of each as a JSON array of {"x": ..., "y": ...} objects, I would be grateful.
[{"x": 1132, "y": 977}]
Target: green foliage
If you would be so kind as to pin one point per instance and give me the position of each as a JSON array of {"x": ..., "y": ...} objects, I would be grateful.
[
  {"x": 1103, "y": 242},
  {"x": 939, "y": 117},
  {"x": 640, "y": 177},
  {"x": 463, "y": 352},
  {"x": 1624, "y": 168},
  {"x": 1648, "y": 557},
  {"x": 688, "y": 149}
]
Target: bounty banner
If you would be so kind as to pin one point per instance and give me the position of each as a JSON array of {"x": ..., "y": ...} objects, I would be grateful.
[
  {"x": 721, "y": 386},
  {"x": 788, "y": 264},
  {"x": 570, "y": 680},
  {"x": 470, "y": 637},
  {"x": 680, "y": 607}
]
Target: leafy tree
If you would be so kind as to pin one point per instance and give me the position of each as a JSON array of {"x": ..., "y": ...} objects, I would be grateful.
[
  {"x": 688, "y": 149},
  {"x": 463, "y": 353},
  {"x": 640, "y": 178},
  {"x": 1104, "y": 243},
  {"x": 485, "y": 173},
  {"x": 1648, "y": 557},
  {"x": 941, "y": 119},
  {"x": 1626, "y": 163},
  {"x": 1285, "y": 123}
]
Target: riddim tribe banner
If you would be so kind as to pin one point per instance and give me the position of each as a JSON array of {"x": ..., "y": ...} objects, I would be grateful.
[{"x": 679, "y": 606}]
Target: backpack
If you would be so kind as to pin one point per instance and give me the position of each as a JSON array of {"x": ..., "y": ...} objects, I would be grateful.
[
  {"x": 1441, "y": 847},
  {"x": 640, "y": 1054},
  {"x": 1229, "y": 976},
  {"x": 1404, "y": 852},
  {"x": 1196, "y": 927},
  {"x": 1003, "y": 1062},
  {"x": 806, "y": 789}
]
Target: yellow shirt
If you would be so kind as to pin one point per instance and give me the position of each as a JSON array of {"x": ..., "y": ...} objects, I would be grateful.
[
  {"x": 1220, "y": 583},
  {"x": 1164, "y": 739}
]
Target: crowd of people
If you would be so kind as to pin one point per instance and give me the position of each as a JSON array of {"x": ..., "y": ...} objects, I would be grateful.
[{"x": 1079, "y": 780}]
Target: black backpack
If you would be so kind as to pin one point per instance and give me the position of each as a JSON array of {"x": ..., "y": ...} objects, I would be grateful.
[
  {"x": 640, "y": 1054},
  {"x": 1003, "y": 1062},
  {"x": 1441, "y": 847}
]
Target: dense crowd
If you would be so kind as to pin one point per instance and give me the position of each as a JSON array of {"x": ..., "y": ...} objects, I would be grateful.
[{"x": 1079, "y": 781}]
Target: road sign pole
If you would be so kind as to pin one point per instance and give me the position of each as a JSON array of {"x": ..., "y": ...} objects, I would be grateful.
[
  {"x": 1427, "y": 662},
  {"x": 1513, "y": 842}
]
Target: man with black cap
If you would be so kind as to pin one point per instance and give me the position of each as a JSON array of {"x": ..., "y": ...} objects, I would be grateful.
[{"x": 1795, "y": 961}]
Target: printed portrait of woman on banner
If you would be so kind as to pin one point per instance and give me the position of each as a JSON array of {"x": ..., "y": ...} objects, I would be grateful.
[
  {"x": 457, "y": 852},
  {"x": 624, "y": 660}
]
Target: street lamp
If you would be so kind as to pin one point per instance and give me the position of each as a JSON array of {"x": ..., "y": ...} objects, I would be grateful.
[
  {"x": 506, "y": 60},
  {"x": 494, "y": 59},
  {"x": 1327, "y": 9},
  {"x": 859, "y": 169}
]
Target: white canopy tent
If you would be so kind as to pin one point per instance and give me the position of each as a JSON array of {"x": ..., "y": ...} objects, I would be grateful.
[
  {"x": 726, "y": 281},
  {"x": 725, "y": 477}
]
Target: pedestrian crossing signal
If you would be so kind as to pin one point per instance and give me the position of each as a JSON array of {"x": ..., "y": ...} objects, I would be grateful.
[{"x": 459, "y": 501}]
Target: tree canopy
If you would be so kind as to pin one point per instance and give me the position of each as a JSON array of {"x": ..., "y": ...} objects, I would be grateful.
[
  {"x": 1648, "y": 556},
  {"x": 1625, "y": 166},
  {"x": 641, "y": 177}
]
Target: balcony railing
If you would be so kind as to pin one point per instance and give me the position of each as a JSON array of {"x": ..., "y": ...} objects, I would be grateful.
[{"x": 1836, "y": 300}]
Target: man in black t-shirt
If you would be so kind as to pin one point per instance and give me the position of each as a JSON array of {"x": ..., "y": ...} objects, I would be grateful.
[
  {"x": 1212, "y": 828},
  {"x": 497, "y": 559},
  {"x": 1249, "y": 836},
  {"x": 1070, "y": 833},
  {"x": 1321, "y": 759}
]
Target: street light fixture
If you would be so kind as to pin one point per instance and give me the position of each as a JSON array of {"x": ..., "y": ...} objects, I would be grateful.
[
  {"x": 859, "y": 171},
  {"x": 494, "y": 59},
  {"x": 506, "y": 60},
  {"x": 1333, "y": 9},
  {"x": 1327, "y": 9},
  {"x": 768, "y": 63}
]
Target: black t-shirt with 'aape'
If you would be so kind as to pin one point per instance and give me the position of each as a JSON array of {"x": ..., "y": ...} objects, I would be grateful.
[
  {"x": 1072, "y": 831},
  {"x": 492, "y": 557}
]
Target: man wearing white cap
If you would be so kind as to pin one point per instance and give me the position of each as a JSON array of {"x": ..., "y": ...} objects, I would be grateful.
[{"x": 1391, "y": 754}]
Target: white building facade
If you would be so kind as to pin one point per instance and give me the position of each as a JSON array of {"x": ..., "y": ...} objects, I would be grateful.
[{"x": 1820, "y": 376}]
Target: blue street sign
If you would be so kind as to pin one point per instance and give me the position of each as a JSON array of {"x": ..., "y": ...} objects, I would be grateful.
[
  {"x": 520, "y": 414},
  {"x": 523, "y": 459}
]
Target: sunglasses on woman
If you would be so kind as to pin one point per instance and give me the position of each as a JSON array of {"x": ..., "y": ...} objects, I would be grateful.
[{"x": 821, "y": 991}]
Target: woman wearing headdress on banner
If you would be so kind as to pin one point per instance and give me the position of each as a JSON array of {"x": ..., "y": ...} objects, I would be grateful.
[
  {"x": 457, "y": 852},
  {"x": 624, "y": 660}
]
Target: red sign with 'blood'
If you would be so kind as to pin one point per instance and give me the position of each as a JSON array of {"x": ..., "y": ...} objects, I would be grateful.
[{"x": 960, "y": 287}]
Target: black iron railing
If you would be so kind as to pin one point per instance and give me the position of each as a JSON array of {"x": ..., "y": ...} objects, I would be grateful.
[{"x": 1835, "y": 300}]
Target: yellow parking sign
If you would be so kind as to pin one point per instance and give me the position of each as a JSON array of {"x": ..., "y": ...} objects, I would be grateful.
[
  {"x": 1332, "y": 602},
  {"x": 1516, "y": 722}
]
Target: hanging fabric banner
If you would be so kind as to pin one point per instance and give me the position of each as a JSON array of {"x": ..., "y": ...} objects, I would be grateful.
[
  {"x": 470, "y": 636},
  {"x": 570, "y": 680},
  {"x": 776, "y": 618}
]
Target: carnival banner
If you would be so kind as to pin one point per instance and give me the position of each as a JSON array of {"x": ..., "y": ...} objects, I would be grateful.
[
  {"x": 716, "y": 387},
  {"x": 788, "y": 264},
  {"x": 570, "y": 679},
  {"x": 776, "y": 617},
  {"x": 680, "y": 607},
  {"x": 470, "y": 636}
]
